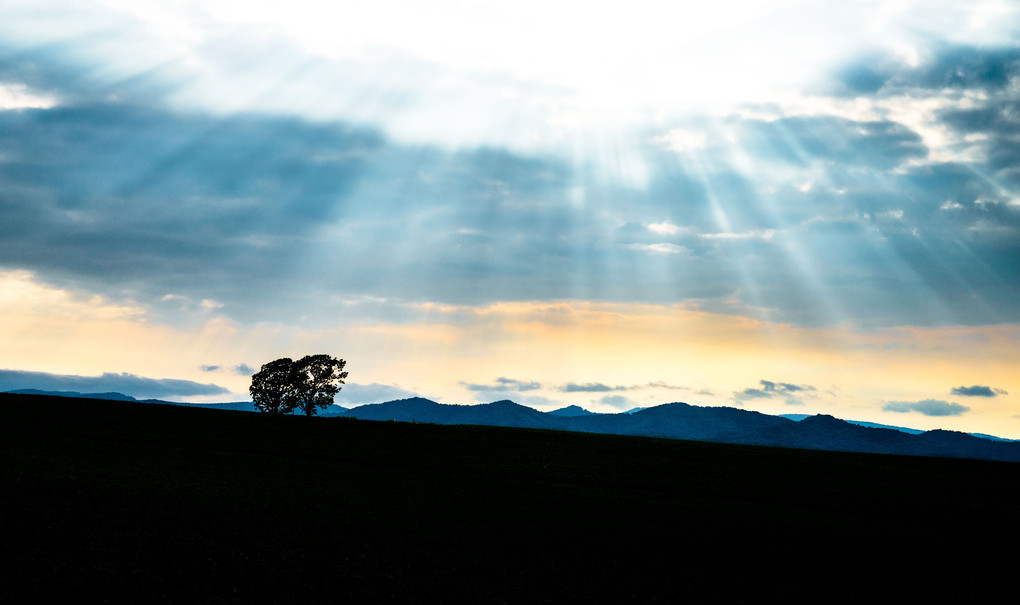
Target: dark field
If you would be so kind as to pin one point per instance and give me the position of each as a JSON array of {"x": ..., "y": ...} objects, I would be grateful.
[{"x": 107, "y": 501}]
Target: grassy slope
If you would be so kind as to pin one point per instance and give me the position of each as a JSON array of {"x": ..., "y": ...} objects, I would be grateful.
[{"x": 113, "y": 500}]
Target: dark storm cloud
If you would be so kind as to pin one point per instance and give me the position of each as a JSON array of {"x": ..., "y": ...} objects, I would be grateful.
[
  {"x": 993, "y": 117},
  {"x": 120, "y": 195},
  {"x": 61, "y": 69},
  {"x": 127, "y": 195},
  {"x": 867, "y": 75},
  {"x": 960, "y": 236},
  {"x": 965, "y": 67},
  {"x": 948, "y": 67},
  {"x": 978, "y": 391},
  {"x": 127, "y": 384},
  {"x": 929, "y": 237},
  {"x": 804, "y": 140},
  {"x": 997, "y": 122},
  {"x": 123, "y": 194},
  {"x": 113, "y": 192},
  {"x": 928, "y": 407},
  {"x": 955, "y": 70},
  {"x": 881, "y": 229}
]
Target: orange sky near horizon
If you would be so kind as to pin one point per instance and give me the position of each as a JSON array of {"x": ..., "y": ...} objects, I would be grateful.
[{"x": 644, "y": 354}]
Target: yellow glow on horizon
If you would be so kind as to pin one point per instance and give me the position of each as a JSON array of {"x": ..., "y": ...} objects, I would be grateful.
[
  {"x": 632, "y": 344},
  {"x": 694, "y": 356}
]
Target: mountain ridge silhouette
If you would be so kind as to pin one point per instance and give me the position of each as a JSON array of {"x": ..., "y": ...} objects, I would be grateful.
[
  {"x": 680, "y": 420},
  {"x": 675, "y": 420}
]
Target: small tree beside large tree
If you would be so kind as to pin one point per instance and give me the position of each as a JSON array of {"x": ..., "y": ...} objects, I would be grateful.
[{"x": 310, "y": 383}]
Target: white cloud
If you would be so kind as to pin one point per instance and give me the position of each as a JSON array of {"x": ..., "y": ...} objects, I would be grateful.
[
  {"x": 663, "y": 228},
  {"x": 682, "y": 141},
  {"x": 18, "y": 96},
  {"x": 762, "y": 234},
  {"x": 584, "y": 63},
  {"x": 896, "y": 213},
  {"x": 661, "y": 248}
]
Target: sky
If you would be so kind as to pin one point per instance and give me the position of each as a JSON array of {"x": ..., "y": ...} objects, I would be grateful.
[{"x": 788, "y": 207}]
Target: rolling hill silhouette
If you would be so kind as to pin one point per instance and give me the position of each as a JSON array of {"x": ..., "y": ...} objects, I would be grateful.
[
  {"x": 116, "y": 501},
  {"x": 671, "y": 420},
  {"x": 698, "y": 423}
]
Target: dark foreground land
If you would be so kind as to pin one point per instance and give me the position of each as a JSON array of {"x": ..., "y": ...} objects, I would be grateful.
[{"x": 109, "y": 501}]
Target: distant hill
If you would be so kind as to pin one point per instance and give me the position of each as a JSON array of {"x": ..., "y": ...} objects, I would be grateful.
[
  {"x": 716, "y": 424},
  {"x": 672, "y": 420},
  {"x": 571, "y": 410},
  {"x": 111, "y": 396},
  {"x": 240, "y": 406},
  {"x": 417, "y": 409},
  {"x": 876, "y": 425}
]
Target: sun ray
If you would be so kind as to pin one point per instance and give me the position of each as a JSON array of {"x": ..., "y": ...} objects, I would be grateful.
[{"x": 702, "y": 197}]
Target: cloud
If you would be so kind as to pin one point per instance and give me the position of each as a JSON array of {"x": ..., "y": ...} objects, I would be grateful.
[
  {"x": 802, "y": 140},
  {"x": 115, "y": 189},
  {"x": 598, "y": 387},
  {"x": 936, "y": 69},
  {"x": 490, "y": 392},
  {"x": 660, "y": 248},
  {"x": 770, "y": 390},
  {"x": 617, "y": 401},
  {"x": 182, "y": 206},
  {"x": 239, "y": 370},
  {"x": 590, "y": 387},
  {"x": 928, "y": 407},
  {"x": 504, "y": 385},
  {"x": 659, "y": 384},
  {"x": 353, "y": 393},
  {"x": 258, "y": 183},
  {"x": 751, "y": 393},
  {"x": 127, "y": 384},
  {"x": 538, "y": 402},
  {"x": 664, "y": 228},
  {"x": 20, "y": 97},
  {"x": 977, "y": 391}
]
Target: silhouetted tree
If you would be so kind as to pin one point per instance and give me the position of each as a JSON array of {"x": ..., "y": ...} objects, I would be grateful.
[
  {"x": 316, "y": 380},
  {"x": 306, "y": 384},
  {"x": 272, "y": 387}
]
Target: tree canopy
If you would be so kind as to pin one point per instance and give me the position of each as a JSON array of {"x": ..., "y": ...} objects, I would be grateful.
[
  {"x": 271, "y": 387},
  {"x": 310, "y": 383}
]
